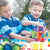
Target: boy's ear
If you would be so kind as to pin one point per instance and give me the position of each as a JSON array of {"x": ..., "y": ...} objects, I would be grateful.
[
  {"x": 29, "y": 9},
  {"x": 0, "y": 12}
]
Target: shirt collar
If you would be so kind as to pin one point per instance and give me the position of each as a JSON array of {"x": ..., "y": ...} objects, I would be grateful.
[
  {"x": 6, "y": 18},
  {"x": 34, "y": 18}
]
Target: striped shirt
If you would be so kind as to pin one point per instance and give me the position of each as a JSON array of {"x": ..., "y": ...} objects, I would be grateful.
[
  {"x": 30, "y": 27},
  {"x": 30, "y": 18},
  {"x": 7, "y": 26}
]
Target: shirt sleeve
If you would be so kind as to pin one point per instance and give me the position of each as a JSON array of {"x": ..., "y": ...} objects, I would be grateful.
[
  {"x": 25, "y": 18},
  {"x": 5, "y": 29}
]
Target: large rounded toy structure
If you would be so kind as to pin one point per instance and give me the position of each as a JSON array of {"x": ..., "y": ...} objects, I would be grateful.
[{"x": 39, "y": 33}]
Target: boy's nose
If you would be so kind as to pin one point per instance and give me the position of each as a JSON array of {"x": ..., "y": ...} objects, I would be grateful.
[{"x": 37, "y": 12}]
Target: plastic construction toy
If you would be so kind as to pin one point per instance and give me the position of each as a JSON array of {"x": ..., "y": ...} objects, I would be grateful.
[
  {"x": 1, "y": 47},
  {"x": 16, "y": 47},
  {"x": 37, "y": 46},
  {"x": 48, "y": 42},
  {"x": 1, "y": 38},
  {"x": 4, "y": 38},
  {"x": 7, "y": 47},
  {"x": 39, "y": 33}
]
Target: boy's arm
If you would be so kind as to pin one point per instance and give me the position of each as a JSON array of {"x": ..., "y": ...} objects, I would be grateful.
[
  {"x": 21, "y": 37},
  {"x": 25, "y": 32},
  {"x": 26, "y": 23}
]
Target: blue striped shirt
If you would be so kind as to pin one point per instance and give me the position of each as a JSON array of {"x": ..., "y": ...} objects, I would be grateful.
[
  {"x": 7, "y": 26},
  {"x": 30, "y": 27},
  {"x": 30, "y": 18}
]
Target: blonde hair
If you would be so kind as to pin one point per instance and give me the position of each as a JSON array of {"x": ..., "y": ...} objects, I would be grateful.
[
  {"x": 36, "y": 2},
  {"x": 3, "y": 3}
]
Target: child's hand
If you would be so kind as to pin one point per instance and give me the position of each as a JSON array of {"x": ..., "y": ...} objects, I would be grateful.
[
  {"x": 30, "y": 40},
  {"x": 27, "y": 36},
  {"x": 36, "y": 23}
]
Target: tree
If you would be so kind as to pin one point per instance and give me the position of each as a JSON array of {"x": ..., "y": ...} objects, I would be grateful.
[
  {"x": 45, "y": 14},
  {"x": 25, "y": 9}
]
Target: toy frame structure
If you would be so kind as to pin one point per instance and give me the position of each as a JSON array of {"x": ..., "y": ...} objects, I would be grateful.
[{"x": 38, "y": 33}]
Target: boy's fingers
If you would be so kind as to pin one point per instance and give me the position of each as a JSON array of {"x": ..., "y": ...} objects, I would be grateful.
[
  {"x": 37, "y": 23},
  {"x": 32, "y": 40},
  {"x": 27, "y": 36}
]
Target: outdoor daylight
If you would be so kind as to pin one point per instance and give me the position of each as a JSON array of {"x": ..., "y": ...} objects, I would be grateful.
[{"x": 24, "y": 24}]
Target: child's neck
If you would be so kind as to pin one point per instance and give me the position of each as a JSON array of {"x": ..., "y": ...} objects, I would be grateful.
[
  {"x": 35, "y": 18},
  {"x": 10, "y": 18}
]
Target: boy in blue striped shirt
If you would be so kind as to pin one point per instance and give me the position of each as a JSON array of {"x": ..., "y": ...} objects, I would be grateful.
[
  {"x": 9, "y": 25},
  {"x": 31, "y": 20}
]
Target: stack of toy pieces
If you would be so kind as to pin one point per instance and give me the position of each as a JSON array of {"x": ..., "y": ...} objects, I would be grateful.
[{"x": 39, "y": 33}]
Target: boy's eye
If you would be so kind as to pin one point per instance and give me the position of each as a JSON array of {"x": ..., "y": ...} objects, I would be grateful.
[
  {"x": 9, "y": 10},
  {"x": 35, "y": 10},
  {"x": 39, "y": 11}
]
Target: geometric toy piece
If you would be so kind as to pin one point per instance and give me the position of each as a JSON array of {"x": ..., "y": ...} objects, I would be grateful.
[
  {"x": 48, "y": 42},
  {"x": 16, "y": 47},
  {"x": 0, "y": 37},
  {"x": 7, "y": 47},
  {"x": 5, "y": 39},
  {"x": 39, "y": 33},
  {"x": 1, "y": 47}
]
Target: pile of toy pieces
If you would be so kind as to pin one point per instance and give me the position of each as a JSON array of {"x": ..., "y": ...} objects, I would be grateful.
[
  {"x": 25, "y": 46},
  {"x": 39, "y": 33}
]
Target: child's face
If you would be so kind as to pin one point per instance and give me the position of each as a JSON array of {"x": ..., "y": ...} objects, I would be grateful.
[
  {"x": 36, "y": 11},
  {"x": 6, "y": 11}
]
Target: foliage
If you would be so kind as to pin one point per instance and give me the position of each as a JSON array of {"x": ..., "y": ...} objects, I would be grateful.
[
  {"x": 25, "y": 10},
  {"x": 45, "y": 14}
]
